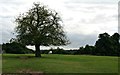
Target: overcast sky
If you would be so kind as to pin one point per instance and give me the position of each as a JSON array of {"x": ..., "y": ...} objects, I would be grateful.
[{"x": 83, "y": 20}]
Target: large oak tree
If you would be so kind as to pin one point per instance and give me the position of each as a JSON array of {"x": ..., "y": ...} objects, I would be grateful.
[{"x": 40, "y": 26}]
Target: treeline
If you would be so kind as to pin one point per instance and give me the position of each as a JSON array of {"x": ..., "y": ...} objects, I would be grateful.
[
  {"x": 15, "y": 48},
  {"x": 106, "y": 45},
  {"x": 58, "y": 51},
  {"x": 0, "y": 48}
]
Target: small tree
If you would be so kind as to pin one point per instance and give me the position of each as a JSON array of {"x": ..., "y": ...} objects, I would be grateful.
[{"x": 40, "y": 27}]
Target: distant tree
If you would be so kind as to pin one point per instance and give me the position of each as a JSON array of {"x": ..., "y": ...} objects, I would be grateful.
[
  {"x": 87, "y": 49},
  {"x": 0, "y": 48},
  {"x": 115, "y": 44},
  {"x": 90, "y": 50},
  {"x": 40, "y": 26},
  {"x": 58, "y": 51},
  {"x": 81, "y": 50},
  {"x": 108, "y": 45},
  {"x": 103, "y": 44}
]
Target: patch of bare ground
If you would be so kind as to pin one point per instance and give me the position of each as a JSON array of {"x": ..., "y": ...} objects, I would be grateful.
[{"x": 30, "y": 72}]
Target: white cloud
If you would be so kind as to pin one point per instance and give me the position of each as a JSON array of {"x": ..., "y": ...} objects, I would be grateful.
[{"x": 89, "y": 18}]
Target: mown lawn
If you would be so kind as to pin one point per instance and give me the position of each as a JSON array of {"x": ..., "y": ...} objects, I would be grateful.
[{"x": 54, "y": 63}]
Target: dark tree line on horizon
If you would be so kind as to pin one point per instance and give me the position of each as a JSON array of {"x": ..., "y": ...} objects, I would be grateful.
[
  {"x": 106, "y": 45},
  {"x": 15, "y": 48}
]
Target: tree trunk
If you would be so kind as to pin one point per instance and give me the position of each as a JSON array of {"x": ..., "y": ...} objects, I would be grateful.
[{"x": 37, "y": 52}]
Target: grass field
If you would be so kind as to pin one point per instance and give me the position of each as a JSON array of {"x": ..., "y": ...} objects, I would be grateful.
[{"x": 53, "y": 63}]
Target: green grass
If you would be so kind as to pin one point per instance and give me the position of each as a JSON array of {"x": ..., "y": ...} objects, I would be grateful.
[{"x": 53, "y": 63}]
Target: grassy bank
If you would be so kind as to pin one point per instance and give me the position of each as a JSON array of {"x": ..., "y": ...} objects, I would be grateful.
[{"x": 53, "y": 63}]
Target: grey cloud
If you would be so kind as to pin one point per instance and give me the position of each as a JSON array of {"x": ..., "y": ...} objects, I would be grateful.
[
  {"x": 93, "y": 1},
  {"x": 119, "y": 29},
  {"x": 6, "y": 29},
  {"x": 115, "y": 16},
  {"x": 11, "y": 2},
  {"x": 87, "y": 8},
  {"x": 69, "y": 19},
  {"x": 6, "y": 36},
  {"x": 119, "y": 18},
  {"x": 78, "y": 40},
  {"x": 103, "y": 18},
  {"x": 5, "y": 16},
  {"x": 100, "y": 18}
]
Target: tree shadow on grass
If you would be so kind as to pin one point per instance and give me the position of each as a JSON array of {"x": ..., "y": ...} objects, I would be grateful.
[
  {"x": 26, "y": 56},
  {"x": 16, "y": 56}
]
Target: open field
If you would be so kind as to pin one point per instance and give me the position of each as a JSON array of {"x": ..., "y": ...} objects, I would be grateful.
[{"x": 53, "y": 63}]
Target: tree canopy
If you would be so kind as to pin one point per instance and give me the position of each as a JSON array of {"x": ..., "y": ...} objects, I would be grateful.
[
  {"x": 108, "y": 45},
  {"x": 40, "y": 26}
]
